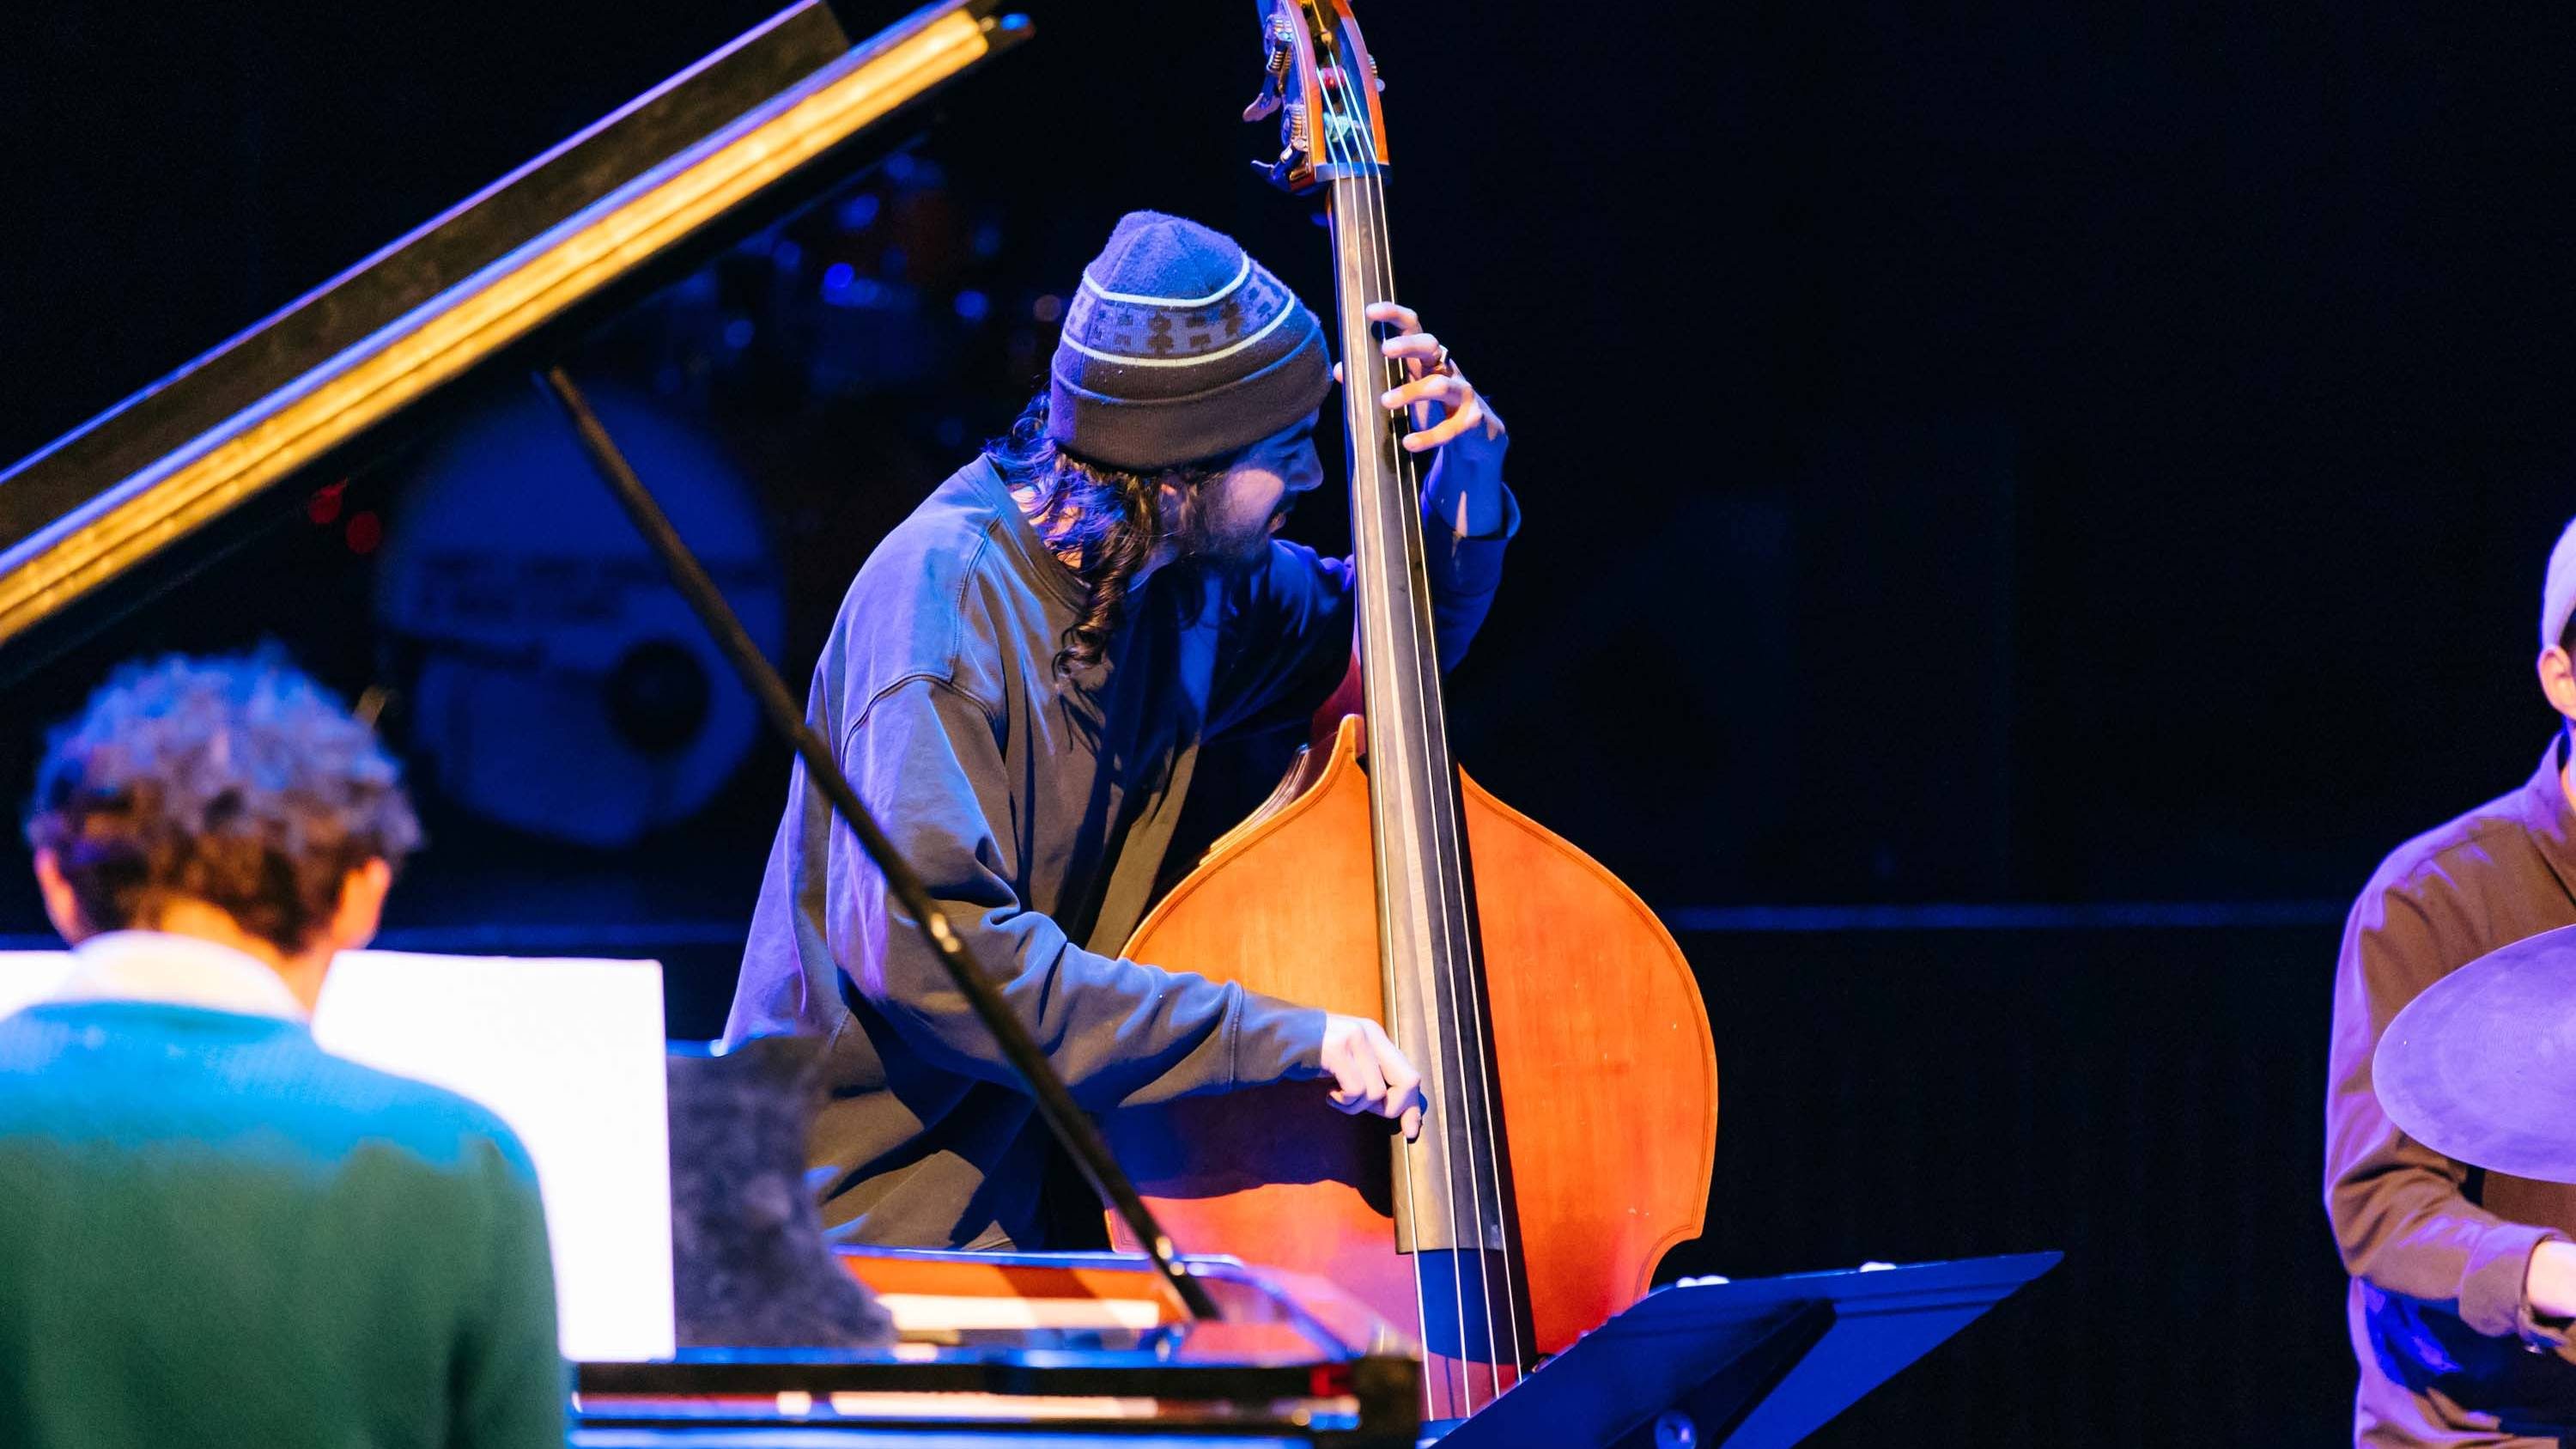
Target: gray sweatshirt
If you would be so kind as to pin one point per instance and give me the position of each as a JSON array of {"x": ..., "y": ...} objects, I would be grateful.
[{"x": 1039, "y": 812}]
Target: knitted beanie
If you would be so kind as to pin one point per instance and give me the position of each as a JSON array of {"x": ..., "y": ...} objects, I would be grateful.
[
  {"x": 2558, "y": 589},
  {"x": 1179, "y": 346}
]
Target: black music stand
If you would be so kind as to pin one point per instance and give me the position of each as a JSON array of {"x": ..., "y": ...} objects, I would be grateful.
[{"x": 1745, "y": 1365}]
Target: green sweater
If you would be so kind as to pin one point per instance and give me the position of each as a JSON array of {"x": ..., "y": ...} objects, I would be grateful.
[{"x": 214, "y": 1232}]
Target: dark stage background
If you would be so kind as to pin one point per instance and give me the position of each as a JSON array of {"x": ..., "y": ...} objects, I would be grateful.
[{"x": 2014, "y": 457}]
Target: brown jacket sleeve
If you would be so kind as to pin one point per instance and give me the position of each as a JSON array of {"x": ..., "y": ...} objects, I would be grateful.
[{"x": 2401, "y": 1218}]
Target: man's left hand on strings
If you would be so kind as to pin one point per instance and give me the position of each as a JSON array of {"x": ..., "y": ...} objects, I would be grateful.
[{"x": 1448, "y": 415}]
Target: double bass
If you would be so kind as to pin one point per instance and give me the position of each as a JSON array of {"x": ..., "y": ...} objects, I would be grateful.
[{"x": 1565, "y": 1052}]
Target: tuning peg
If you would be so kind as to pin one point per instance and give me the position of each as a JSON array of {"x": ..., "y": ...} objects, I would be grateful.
[
  {"x": 1276, "y": 42},
  {"x": 1278, "y": 172}
]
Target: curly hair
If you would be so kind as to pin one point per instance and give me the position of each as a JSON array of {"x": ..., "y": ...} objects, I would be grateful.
[
  {"x": 1115, "y": 518},
  {"x": 236, "y": 782}
]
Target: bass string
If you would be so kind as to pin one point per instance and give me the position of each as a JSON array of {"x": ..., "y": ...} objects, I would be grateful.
[
  {"x": 1351, "y": 127},
  {"x": 1371, "y": 534},
  {"x": 1396, "y": 506},
  {"x": 1446, "y": 818}
]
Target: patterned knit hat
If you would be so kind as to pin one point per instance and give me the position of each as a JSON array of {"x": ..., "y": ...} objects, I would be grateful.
[
  {"x": 1180, "y": 346},
  {"x": 2558, "y": 588}
]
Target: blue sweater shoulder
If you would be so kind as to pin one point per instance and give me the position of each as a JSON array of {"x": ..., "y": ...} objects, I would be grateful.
[{"x": 117, "y": 1068}]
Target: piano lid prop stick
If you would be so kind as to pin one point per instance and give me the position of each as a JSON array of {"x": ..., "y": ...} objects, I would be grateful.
[{"x": 1055, "y": 1102}]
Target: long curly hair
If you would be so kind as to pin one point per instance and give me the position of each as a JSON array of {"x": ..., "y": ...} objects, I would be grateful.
[
  {"x": 1114, "y": 518},
  {"x": 236, "y": 782}
]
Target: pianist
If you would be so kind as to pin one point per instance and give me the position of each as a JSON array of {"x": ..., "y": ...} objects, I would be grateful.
[{"x": 214, "y": 1232}]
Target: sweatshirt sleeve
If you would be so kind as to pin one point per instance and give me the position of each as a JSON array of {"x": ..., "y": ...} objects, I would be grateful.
[
  {"x": 924, "y": 756},
  {"x": 1289, "y": 626},
  {"x": 2401, "y": 1218}
]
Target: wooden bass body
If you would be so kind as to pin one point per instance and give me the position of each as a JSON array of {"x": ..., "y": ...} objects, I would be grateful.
[{"x": 1599, "y": 1039}]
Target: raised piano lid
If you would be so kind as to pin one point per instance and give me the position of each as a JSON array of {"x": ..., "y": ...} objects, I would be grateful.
[{"x": 159, "y": 483}]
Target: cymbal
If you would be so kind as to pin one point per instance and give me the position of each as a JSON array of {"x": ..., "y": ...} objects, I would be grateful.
[{"x": 2482, "y": 1066}]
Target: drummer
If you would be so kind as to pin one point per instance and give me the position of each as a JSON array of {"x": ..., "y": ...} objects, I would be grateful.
[{"x": 2463, "y": 1281}]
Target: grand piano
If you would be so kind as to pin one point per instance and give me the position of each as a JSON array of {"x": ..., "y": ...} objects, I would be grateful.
[{"x": 169, "y": 482}]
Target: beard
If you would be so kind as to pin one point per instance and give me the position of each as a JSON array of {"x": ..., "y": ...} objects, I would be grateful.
[{"x": 1207, "y": 535}]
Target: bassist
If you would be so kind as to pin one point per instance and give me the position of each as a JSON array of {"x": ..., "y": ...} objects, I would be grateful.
[{"x": 1020, "y": 681}]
